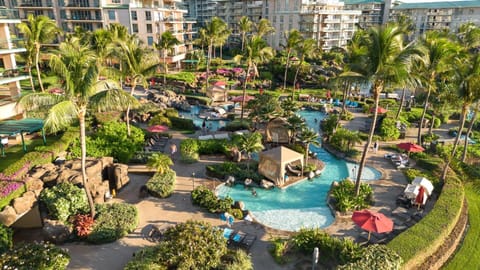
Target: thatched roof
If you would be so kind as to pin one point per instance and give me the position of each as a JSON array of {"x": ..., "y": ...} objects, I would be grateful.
[{"x": 277, "y": 131}]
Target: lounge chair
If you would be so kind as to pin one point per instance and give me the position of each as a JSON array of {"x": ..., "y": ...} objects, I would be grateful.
[
  {"x": 293, "y": 171},
  {"x": 237, "y": 239}
]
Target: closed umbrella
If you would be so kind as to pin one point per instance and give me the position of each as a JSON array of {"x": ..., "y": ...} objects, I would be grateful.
[
  {"x": 372, "y": 221},
  {"x": 157, "y": 128}
]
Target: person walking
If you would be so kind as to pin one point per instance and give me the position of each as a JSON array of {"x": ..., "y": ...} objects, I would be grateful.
[{"x": 173, "y": 150}]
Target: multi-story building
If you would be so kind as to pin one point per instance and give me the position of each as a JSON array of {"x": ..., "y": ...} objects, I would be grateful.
[
  {"x": 439, "y": 15},
  {"x": 374, "y": 12},
  {"x": 10, "y": 73},
  {"x": 328, "y": 22},
  {"x": 201, "y": 10}
]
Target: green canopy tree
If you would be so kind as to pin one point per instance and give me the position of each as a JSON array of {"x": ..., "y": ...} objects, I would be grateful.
[
  {"x": 37, "y": 31},
  {"x": 293, "y": 37},
  {"x": 305, "y": 48},
  {"x": 295, "y": 124},
  {"x": 211, "y": 33},
  {"x": 289, "y": 107},
  {"x": 159, "y": 162},
  {"x": 166, "y": 44},
  {"x": 251, "y": 143},
  {"x": 75, "y": 65},
  {"x": 308, "y": 137},
  {"x": 245, "y": 26}
]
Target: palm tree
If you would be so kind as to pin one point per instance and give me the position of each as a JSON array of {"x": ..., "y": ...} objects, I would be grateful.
[
  {"x": 165, "y": 44},
  {"x": 305, "y": 48},
  {"x": 251, "y": 143},
  {"x": 245, "y": 26},
  {"x": 139, "y": 64},
  {"x": 289, "y": 107},
  {"x": 382, "y": 58},
  {"x": 212, "y": 31},
  {"x": 101, "y": 41},
  {"x": 75, "y": 65},
  {"x": 437, "y": 52},
  {"x": 295, "y": 124},
  {"x": 256, "y": 52},
  {"x": 262, "y": 108},
  {"x": 308, "y": 137},
  {"x": 264, "y": 27},
  {"x": 38, "y": 31},
  {"x": 293, "y": 38},
  {"x": 159, "y": 162}
]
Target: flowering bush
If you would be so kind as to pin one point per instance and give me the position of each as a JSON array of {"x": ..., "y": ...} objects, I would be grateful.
[
  {"x": 83, "y": 225},
  {"x": 41, "y": 256},
  {"x": 17, "y": 175}
]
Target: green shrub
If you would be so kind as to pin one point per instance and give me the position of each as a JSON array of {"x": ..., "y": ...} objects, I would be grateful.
[
  {"x": 297, "y": 148},
  {"x": 64, "y": 200},
  {"x": 331, "y": 248},
  {"x": 206, "y": 198},
  {"x": 421, "y": 240},
  {"x": 237, "y": 170},
  {"x": 279, "y": 249},
  {"x": 188, "y": 77},
  {"x": 105, "y": 117},
  {"x": 345, "y": 198},
  {"x": 237, "y": 125},
  {"x": 42, "y": 256},
  {"x": 236, "y": 259},
  {"x": 171, "y": 112},
  {"x": 182, "y": 123},
  {"x": 6, "y": 241},
  {"x": 376, "y": 257},
  {"x": 112, "y": 222},
  {"x": 389, "y": 130},
  {"x": 112, "y": 139},
  {"x": 237, "y": 213},
  {"x": 412, "y": 173},
  {"x": 162, "y": 185},
  {"x": 160, "y": 119},
  {"x": 189, "y": 150},
  {"x": 213, "y": 146}
]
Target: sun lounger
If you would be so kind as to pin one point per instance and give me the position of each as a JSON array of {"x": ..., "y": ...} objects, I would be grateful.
[
  {"x": 293, "y": 171},
  {"x": 205, "y": 137},
  {"x": 237, "y": 239},
  {"x": 221, "y": 136}
]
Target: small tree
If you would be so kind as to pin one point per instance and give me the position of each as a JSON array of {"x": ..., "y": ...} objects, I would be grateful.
[
  {"x": 160, "y": 162},
  {"x": 250, "y": 143},
  {"x": 307, "y": 137}
]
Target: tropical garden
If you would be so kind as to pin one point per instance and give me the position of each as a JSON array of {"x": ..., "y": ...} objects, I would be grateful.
[{"x": 93, "y": 116}]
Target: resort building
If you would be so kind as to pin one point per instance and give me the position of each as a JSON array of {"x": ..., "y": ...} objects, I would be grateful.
[
  {"x": 374, "y": 12},
  {"x": 10, "y": 73},
  {"x": 439, "y": 15}
]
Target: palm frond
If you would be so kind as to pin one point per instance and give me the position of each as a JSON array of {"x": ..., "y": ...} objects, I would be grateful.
[
  {"x": 61, "y": 116},
  {"x": 112, "y": 99},
  {"x": 39, "y": 101}
]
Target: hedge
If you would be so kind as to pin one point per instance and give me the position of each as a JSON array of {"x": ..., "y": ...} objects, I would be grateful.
[
  {"x": 42, "y": 256},
  {"x": 375, "y": 257},
  {"x": 162, "y": 185},
  {"x": 424, "y": 238},
  {"x": 182, "y": 123},
  {"x": 112, "y": 222}
]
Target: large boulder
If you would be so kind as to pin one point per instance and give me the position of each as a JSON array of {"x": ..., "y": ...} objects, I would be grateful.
[
  {"x": 33, "y": 184},
  {"x": 24, "y": 203},
  {"x": 50, "y": 178},
  {"x": 94, "y": 170},
  {"x": 55, "y": 231},
  {"x": 120, "y": 175},
  {"x": 66, "y": 175},
  {"x": 8, "y": 216}
]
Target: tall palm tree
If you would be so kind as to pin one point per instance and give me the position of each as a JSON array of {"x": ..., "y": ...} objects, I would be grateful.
[
  {"x": 256, "y": 52},
  {"x": 308, "y": 137},
  {"x": 383, "y": 59},
  {"x": 294, "y": 37},
  {"x": 119, "y": 35},
  {"x": 295, "y": 124},
  {"x": 159, "y": 162},
  {"x": 289, "y": 107},
  {"x": 38, "y": 31},
  {"x": 101, "y": 41},
  {"x": 139, "y": 63},
  {"x": 251, "y": 143},
  {"x": 165, "y": 44},
  {"x": 305, "y": 48},
  {"x": 245, "y": 26},
  {"x": 76, "y": 67},
  {"x": 264, "y": 27},
  {"x": 213, "y": 30},
  {"x": 437, "y": 52}
]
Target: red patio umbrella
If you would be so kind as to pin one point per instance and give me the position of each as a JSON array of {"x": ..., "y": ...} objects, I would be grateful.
[
  {"x": 380, "y": 110},
  {"x": 410, "y": 147},
  {"x": 220, "y": 83},
  {"x": 240, "y": 98},
  {"x": 157, "y": 128},
  {"x": 372, "y": 221}
]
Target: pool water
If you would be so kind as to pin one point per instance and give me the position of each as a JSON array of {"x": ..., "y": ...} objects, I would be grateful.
[
  {"x": 302, "y": 205},
  {"x": 212, "y": 125}
]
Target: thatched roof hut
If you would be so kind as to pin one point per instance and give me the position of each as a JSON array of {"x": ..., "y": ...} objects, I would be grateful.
[
  {"x": 217, "y": 93},
  {"x": 277, "y": 131}
]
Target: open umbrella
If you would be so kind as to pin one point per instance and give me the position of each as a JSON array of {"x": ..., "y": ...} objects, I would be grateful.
[
  {"x": 410, "y": 147},
  {"x": 380, "y": 110},
  {"x": 372, "y": 221},
  {"x": 157, "y": 128},
  {"x": 240, "y": 98}
]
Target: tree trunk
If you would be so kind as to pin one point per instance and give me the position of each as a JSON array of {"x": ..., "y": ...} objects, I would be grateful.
[
  {"x": 209, "y": 57},
  {"x": 165, "y": 67},
  {"x": 419, "y": 135},
  {"x": 306, "y": 155},
  {"x": 295, "y": 78},
  {"x": 243, "y": 40},
  {"x": 37, "y": 66},
  {"x": 430, "y": 128},
  {"x": 455, "y": 144},
  {"x": 31, "y": 78},
  {"x": 363, "y": 160},
  {"x": 127, "y": 118},
  {"x": 286, "y": 71},
  {"x": 346, "y": 89},
  {"x": 401, "y": 104},
  {"x": 245, "y": 91},
  {"x": 470, "y": 127},
  {"x": 83, "y": 147}
]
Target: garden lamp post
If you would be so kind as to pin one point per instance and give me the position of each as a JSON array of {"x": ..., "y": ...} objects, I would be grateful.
[
  {"x": 315, "y": 257},
  {"x": 193, "y": 180}
]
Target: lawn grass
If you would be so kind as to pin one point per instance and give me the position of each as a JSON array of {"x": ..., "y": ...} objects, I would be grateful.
[
  {"x": 15, "y": 152},
  {"x": 468, "y": 257}
]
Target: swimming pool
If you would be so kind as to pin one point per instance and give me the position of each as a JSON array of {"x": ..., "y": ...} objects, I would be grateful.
[
  {"x": 302, "y": 205},
  {"x": 212, "y": 125}
]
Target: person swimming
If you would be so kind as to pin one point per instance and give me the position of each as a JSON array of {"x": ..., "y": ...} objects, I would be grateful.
[{"x": 254, "y": 192}]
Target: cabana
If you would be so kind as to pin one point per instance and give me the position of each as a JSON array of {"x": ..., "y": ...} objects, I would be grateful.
[
  {"x": 217, "y": 93},
  {"x": 14, "y": 127},
  {"x": 277, "y": 131},
  {"x": 272, "y": 163}
]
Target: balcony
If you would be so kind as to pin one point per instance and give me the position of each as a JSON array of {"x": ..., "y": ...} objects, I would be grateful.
[
  {"x": 35, "y": 4},
  {"x": 81, "y": 5},
  {"x": 82, "y": 18},
  {"x": 8, "y": 14},
  {"x": 11, "y": 46}
]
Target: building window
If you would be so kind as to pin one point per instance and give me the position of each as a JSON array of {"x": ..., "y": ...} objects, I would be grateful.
[
  {"x": 116, "y": 1},
  {"x": 111, "y": 15},
  {"x": 150, "y": 41},
  {"x": 134, "y": 16},
  {"x": 148, "y": 15},
  {"x": 149, "y": 28},
  {"x": 135, "y": 28}
]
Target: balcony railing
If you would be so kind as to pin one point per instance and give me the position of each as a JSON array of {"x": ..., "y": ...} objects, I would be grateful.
[
  {"x": 35, "y": 4},
  {"x": 14, "y": 72},
  {"x": 8, "y": 14},
  {"x": 11, "y": 44},
  {"x": 82, "y": 4},
  {"x": 82, "y": 18}
]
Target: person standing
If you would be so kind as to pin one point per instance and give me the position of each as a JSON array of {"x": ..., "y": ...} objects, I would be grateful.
[
  {"x": 173, "y": 150},
  {"x": 375, "y": 147}
]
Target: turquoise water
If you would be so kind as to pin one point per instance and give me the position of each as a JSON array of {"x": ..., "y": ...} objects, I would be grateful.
[
  {"x": 212, "y": 125},
  {"x": 303, "y": 204}
]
